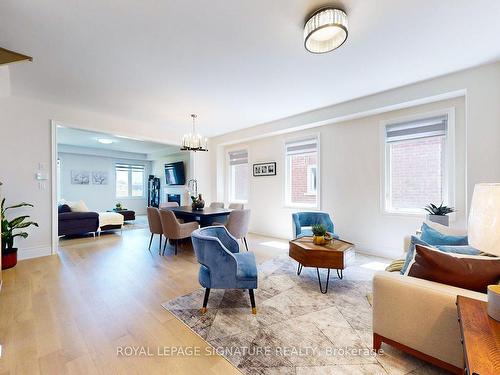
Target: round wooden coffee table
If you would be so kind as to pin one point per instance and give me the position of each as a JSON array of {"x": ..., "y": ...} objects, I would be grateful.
[{"x": 336, "y": 254}]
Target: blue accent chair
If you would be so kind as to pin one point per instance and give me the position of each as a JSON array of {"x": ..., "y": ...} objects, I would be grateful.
[
  {"x": 222, "y": 266},
  {"x": 308, "y": 219}
]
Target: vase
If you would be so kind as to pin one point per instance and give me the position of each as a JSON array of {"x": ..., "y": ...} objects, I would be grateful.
[
  {"x": 9, "y": 258},
  {"x": 440, "y": 219},
  {"x": 319, "y": 240}
]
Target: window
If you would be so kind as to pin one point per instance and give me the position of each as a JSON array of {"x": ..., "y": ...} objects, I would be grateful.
[
  {"x": 129, "y": 181},
  {"x": 416, "y": 164},
  {"x": 302, "y": 174},
  {"x": 238, "y": 176}
]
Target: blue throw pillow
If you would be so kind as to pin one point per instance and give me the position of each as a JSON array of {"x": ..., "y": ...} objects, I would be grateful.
[
  {"x": 411, "y": 249},
  {"x": 466, "y": 250},
  {"x": 434, "y": 237}
]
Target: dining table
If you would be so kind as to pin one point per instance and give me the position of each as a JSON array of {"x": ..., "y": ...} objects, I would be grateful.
[{"x": 206, "y": 216}]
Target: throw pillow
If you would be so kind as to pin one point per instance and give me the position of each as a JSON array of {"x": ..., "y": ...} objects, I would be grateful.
[
  {"x": 434, "y": 237},
  {"x": 463, "y": 271},
  {"x": 79, "y": 207},
  {"x": 414, "y": 240},
  {"x": 466, "y": 249},
  {"x": 62, "y": 208}
]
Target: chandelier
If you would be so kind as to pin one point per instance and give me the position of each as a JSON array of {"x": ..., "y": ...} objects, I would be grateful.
[
  {"x": 194, "y": 141},
  {"x": 325, "y": 30}
]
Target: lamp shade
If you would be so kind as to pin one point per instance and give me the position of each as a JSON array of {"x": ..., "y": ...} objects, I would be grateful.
[{"x": 484, "y": 218}]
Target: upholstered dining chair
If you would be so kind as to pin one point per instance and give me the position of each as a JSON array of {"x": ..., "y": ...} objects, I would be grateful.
[
  {"x": 217, "y": 205},
  {"x": 236, "y": 206},
  {"x": 222, "y": 266},
  {"x": 303, "y": 221},
  {"x": 237, "y": 224},
  {"x": 173, "y": 230},
  {"x": 168, "y": 205},
  {"x": 154, "y": 222}
]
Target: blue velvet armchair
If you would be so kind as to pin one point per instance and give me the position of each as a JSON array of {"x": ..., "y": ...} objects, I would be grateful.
[
  {"x": 303, "y": 221},
  {"x": 222, "y": 266}
]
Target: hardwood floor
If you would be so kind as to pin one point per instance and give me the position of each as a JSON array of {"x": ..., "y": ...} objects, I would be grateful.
[{"x": 68, "y": 313}]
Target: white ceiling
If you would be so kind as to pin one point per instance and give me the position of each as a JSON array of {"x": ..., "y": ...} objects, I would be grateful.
[
  {"x": 84, "y": 138},
  {"x": 235, "y": 63}
]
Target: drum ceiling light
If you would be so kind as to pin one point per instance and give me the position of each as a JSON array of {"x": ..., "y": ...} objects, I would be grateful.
[{"x": 325, "y": 30}]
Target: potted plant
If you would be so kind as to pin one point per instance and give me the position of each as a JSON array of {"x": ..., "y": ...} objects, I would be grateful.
[
  {"x": 198, "y": 203},
  {"x": 439, "y": 214},
  {"x": 319, "y": 232},
  {"x": 11, "y": 230},
  {"x": 119, "y": 206}
]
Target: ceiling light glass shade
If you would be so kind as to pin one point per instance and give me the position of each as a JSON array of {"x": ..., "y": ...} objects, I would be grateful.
[
  {"x": 194, "y": 141},
  {"x": 105, "y": 141},
  {"x": 325, "y": 31}
]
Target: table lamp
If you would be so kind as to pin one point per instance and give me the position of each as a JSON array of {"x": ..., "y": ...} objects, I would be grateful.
[{"x": 484, "y": 232}]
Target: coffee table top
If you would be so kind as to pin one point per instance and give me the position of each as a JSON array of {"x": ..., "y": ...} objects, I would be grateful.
[{"x": 306, "y": 243}]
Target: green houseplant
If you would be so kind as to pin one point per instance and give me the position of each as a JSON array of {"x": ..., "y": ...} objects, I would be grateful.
[
  {"x": 319, "y": 232},
  {"x": 10, "y": 230},
  {"x": 438, "y": 214}
]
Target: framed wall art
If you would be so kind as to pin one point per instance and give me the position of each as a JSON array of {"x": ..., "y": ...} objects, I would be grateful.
[{"x": 264, "y": 169}]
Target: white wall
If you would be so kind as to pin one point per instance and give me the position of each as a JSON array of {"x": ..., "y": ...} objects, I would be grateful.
[
  {"x": 99, "y": 197},
  {"x": 352, "y": 148},
  {"x": 350, "y": 180}
]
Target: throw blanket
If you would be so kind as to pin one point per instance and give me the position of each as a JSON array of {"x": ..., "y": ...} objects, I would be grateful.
[{"x": 109, "y": 218}]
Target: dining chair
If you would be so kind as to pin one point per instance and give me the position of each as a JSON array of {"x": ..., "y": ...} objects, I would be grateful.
[
  {"x": 168, "y": 205},
  {"x": 237, "y": 224},
  {"x": 154, "y": 222},
  {"x": 303, "y": 221},
  {"x": 217, "y": 205},
  {"x": 222, "y": 266},
  {"x": 236, "y": 206},
  {"x": 173, "y": 230}
]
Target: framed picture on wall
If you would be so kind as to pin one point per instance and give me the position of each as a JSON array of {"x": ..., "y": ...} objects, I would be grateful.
[
  {"x": 264, "y": 169},
  {"x": 99, "y": 177},
  {"x": 80, "y": 177}
]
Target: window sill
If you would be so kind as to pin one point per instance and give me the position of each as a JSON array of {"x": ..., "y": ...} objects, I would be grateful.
[
  {"x": 302, "y": 206},
  {"x": 131, "y": 198}
]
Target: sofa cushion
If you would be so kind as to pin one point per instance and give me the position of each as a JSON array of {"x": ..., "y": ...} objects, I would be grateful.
[
  {"x": 465, "y": 249},
  {"x": 79, "y": 206},
  {"x": 434, "y": 237},
  {"x": 414, "y": 240},
  {"x": 62, "y": 208},
  {"x": 463, "y": 271}
]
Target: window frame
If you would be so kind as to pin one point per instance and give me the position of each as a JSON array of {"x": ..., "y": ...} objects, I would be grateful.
[
  {"x": 129, "y": 186},
  {"x": 229, "y": 175},
  {"x": 287, "y": 171},
  {"x": 448, "y": 155}
]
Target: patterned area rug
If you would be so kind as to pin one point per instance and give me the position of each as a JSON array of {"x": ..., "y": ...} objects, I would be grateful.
[{"x": 297, "y": 330}]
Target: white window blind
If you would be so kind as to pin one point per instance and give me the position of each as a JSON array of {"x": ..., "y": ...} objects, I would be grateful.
[
  {"x": 238, "y": 157},
  {"x": 302, "y": 147},
  {"x": 430, "y": 127}
]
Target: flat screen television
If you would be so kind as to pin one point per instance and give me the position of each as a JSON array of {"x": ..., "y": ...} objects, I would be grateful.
[{"x": 174, "y": 173}]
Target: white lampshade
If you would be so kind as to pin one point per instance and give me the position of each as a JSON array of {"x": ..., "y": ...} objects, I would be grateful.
[{"x": 484, "y": 218}]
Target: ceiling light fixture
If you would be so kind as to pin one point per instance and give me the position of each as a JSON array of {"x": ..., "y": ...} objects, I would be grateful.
[
  {"x": 325, "y": 30},
  {"x": 194, "y": 141},
  {"x": 105, "y": 141}
]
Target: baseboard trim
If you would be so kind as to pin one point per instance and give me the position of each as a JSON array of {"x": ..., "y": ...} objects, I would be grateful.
[{"x": 34, "y": 252}]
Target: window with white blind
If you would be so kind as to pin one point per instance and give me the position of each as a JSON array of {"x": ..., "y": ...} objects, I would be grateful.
[
  {"x": 238, "y": 176},
  {"x": 417, "y": 164},
  {"x": 129, "y": 181},
  {"x": 302, "y": 173}
]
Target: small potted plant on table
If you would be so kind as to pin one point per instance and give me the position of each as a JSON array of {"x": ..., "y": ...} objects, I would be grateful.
[
  {"x": 439, "y": 214},
  {"x": 319, "y": 232},
  {"x": 10, "y": 230}
]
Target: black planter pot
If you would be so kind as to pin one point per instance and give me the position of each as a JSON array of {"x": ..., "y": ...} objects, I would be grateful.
[{"x": 9, "y": 258}]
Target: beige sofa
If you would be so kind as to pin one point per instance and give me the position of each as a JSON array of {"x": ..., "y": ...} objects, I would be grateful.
[{"x": 419, "y": 316}]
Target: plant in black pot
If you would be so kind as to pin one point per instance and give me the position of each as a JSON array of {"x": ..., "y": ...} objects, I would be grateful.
[
  {"x": 438, "y": 214},
  {"x": 10, "y": 230},
  {"x": 198, "y": 203}
]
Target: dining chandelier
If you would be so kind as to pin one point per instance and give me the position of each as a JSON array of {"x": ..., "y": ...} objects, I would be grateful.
[{"x": 194, "y": 141}]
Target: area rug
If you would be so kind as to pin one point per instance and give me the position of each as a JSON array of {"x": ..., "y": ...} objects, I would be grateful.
[{"x": 297, "y": 330}]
